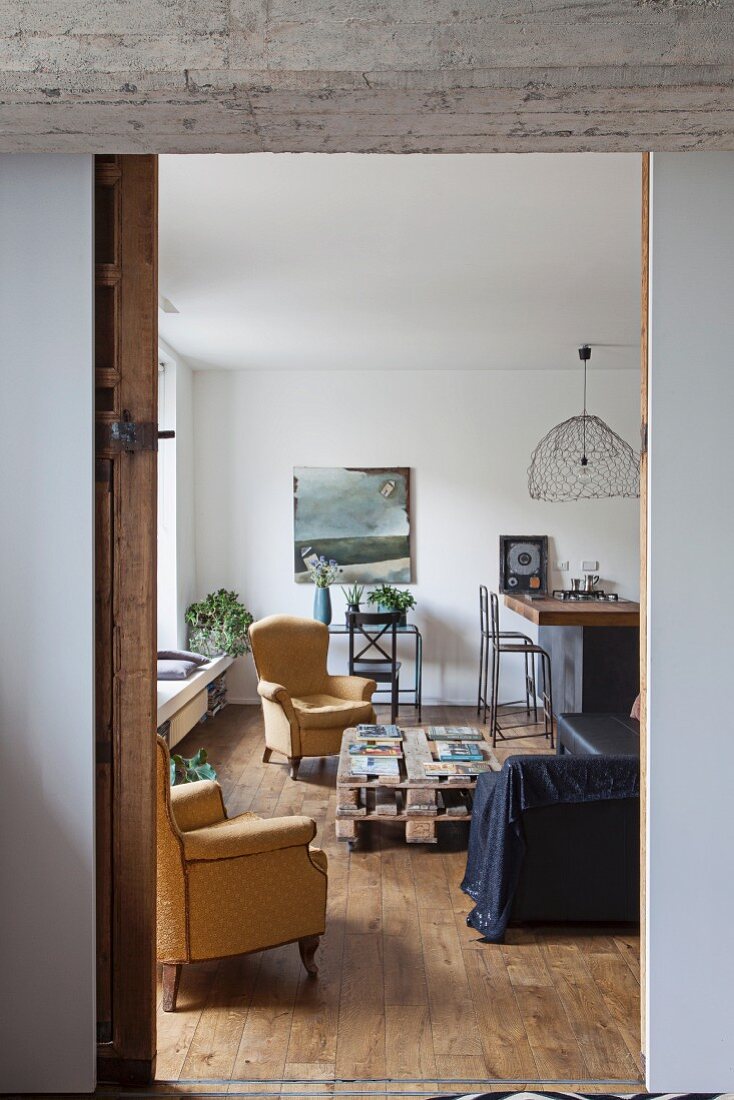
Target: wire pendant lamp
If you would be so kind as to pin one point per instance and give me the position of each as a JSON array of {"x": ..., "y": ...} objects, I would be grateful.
[{"x": 583, "y": 459}]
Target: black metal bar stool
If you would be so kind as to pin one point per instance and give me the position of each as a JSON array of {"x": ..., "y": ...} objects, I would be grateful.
[
  {"x": 528, "y": 648},
  {"x": 485, "y": 647}
]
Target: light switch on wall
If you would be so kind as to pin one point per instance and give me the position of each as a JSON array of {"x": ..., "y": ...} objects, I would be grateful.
[
  {"x": 589, "y": 566},
  {"x": 562, "y": 566}
]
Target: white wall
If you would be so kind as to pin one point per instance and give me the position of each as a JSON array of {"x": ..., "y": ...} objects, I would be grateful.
[
  {"x": 691, "y": 528},
  {"x": 167, "y": 524},
  {"x": 467, "y": 436},
  {"x": 176, "y": 538},
  {"x": 47, "y": 940},
  {"x": 185, "y": 519}
]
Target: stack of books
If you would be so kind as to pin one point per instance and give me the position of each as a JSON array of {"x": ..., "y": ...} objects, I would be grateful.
[
  {"x": 376, "y": 750},
  {"x": 457, "y": 756},
  {"x": 216, "y": 695}
]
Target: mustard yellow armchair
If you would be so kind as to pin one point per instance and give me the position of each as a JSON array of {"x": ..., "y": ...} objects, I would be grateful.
[
  {"x": 230, "y": 886},
  {"x": 305, "y": 710}
]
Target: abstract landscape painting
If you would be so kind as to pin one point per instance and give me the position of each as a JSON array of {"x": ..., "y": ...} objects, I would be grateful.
[{"x": 358, "y": 516}]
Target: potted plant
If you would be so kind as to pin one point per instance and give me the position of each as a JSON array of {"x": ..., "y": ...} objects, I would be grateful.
[
  {"x": 323, "y": 572},
  {"x": 353, "y": 596},
  {"x": 190, "y": 769},
  {"x": 388, "y": 598},
  {"x": 219, "y": 624}
]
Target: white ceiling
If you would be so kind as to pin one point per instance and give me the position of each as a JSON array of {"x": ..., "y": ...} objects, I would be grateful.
[{"x": 366, "y": 261}]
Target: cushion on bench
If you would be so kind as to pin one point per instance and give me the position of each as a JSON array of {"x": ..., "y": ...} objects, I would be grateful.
[{"x": 175, "y": 670}]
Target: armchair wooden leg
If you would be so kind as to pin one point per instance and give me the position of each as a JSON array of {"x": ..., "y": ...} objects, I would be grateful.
[
  {"x": 307, "y": 946},
  {"x": 294, "y": 762},
  {"x": 171, "y": 978},
  {"x": 267, "y": 754}
]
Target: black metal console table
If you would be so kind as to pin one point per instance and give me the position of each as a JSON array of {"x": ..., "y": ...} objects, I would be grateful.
[{"x": 416, "y": 690}]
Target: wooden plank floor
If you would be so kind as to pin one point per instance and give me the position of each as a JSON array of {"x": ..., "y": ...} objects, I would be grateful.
[{"x": 407, "y": 997}]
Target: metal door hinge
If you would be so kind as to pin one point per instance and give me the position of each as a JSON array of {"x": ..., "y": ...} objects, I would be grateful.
[
  {"x": 643, "y": 439},
  {"x": 128, "y": 436}
]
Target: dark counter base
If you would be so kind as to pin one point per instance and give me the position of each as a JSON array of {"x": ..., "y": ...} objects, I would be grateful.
[{"x": 594, "y": 668}]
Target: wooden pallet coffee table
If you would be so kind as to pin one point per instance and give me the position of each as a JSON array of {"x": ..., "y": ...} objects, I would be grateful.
[{"x": 421, "y": 801}]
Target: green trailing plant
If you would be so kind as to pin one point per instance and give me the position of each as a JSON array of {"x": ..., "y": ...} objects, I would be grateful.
[
  {"x": 353, "y": 594},
  {"x": 190, "y": 770},
  {"x": 389, "y": 598},
  {"x": 219, "y": 624}
]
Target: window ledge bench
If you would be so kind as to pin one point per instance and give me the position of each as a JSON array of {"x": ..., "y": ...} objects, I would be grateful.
[{"x": 181, "y": 703}]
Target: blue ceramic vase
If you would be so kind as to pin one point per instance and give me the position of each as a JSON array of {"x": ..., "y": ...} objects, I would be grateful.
[{"x": 322, "y": 605}]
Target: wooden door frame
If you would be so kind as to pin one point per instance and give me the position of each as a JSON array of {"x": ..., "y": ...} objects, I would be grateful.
[
  {"x": 126, "y": 412},
  {"x": 644, "y": 369},
  {"x": 126, "y": 377}
]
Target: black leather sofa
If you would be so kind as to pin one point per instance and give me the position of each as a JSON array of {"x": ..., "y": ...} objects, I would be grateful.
[
  {"x": 598, "y": 734},
  {"x": 555, "y": 838},
  {"x": 582, "y": 863}
]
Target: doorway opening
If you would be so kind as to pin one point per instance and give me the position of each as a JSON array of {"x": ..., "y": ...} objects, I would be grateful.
[{"x": 376, "y": 312}]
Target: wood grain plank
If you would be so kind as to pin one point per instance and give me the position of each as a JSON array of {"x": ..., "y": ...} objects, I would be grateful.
[
  {"x": 175, "y": 1030},
  {"x": 470, "y": 1069},
  {"x": 554, "y": 1045},
  {"x": 398, "y": 886},
  {"x": 628, "y": 946},
  {"x": 361, "y": 1038},
  {"x": 409, "y": 1042},
  {"x": 403, "y": 958},
  {"x": 315, "y": 1023},
  {"x": 431, "y": 887},
  {"x": 505, "y": 1044},
  {"x": 364, "y": 892},
  {"x": 453, "y": 1018},
  {"x": 265, "y": 1036},
  {"x": 213, "y": 1050},
  {"x": 621, "y": 992},
  {"x": 592, "y": 1022}
]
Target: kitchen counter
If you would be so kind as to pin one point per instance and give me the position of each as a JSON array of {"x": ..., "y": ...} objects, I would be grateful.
[
  {"x": 549, "y": 611},
  {"x": 594, "y": 647}
]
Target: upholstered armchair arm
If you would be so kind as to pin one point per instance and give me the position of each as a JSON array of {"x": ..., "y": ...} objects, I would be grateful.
[
  {"x": 248, "y": 835},
  {"x": 276, "y": 693},
  {"x": 356, "y": 688},
  {"x": 196, "y": 805}
]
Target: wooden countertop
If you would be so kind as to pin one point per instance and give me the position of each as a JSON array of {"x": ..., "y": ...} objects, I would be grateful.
[{"x": 547, "y": 611}]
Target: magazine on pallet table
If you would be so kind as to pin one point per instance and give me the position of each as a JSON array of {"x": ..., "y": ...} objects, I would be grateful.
[
  {"x": 374, "y": 765},
  {"x": 454, "y": 733}
]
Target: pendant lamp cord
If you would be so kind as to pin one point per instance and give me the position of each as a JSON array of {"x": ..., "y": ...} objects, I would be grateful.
[
  {"x": 584, "y": 355},
  {"x": 586, "y": 362}
]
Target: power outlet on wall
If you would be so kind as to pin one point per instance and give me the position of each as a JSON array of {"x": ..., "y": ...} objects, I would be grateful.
[{"x": 562, "y": 566}]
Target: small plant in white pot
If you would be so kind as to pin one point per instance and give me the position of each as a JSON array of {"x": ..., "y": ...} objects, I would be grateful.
[
  {"x": 388, "y": 598},
  {"x": 219, "y": 624}
]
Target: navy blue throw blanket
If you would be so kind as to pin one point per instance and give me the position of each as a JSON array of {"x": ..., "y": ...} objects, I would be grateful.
[{"x": 496, "y": 839}]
